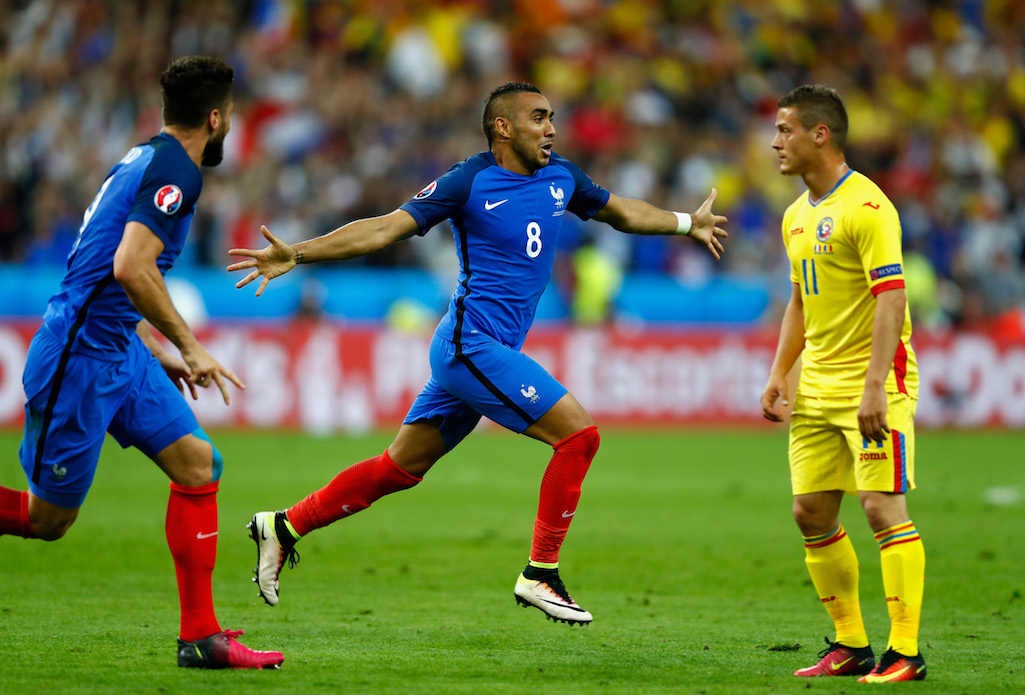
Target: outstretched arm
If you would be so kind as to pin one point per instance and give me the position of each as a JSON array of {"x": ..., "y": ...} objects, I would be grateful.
[
  {"x": 638, "y": 217},
  {"x": 358, "y": 238}
]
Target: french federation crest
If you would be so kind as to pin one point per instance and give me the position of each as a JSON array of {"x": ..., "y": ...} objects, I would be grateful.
[
  {"x": 168, "y": 199},
  {"x": 825, "y": 229}
]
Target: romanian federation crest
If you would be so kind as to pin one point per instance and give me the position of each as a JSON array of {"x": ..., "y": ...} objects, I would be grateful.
[{"x": 825, "y": 229}]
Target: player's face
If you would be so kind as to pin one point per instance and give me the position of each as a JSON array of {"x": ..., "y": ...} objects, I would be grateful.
[
  {"x": 213, "y": 153},
  {"x": 533, "y": 131},
  {"x": 794, "y": 145}
]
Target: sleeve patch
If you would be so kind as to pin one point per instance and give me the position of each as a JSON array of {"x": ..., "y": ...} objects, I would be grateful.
[
  {"x": 168, "y": 198},
  {"x": 427, "y": 190},
  {"x": 885, "y": 271}
]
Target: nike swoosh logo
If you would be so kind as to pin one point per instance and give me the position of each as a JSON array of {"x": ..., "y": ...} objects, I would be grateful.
[
  {"x": 874, "y": 206},
  {"x": 578, "y": 609},
  {"x": 886, "y": 677},
  {"x": 201, "y": 536},
  {"x": 345, "y": 508},
  {"x": 566, "y": 515},
  {"x": 488, "y": 205},
  {"x": 838, "y": 666}
]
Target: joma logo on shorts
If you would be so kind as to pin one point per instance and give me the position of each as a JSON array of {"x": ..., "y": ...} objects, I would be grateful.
[{"x": 872, "y": 456}]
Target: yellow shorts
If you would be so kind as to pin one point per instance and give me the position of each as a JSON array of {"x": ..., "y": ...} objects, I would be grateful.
[{"x": 827, "y": 451}]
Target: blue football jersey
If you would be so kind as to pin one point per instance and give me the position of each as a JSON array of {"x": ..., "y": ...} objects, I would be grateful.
[
  {"x": 156, "y": 184},
  {"x": 506, "y": 228}
]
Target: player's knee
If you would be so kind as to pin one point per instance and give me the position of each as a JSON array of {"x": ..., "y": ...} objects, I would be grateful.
[
  {"x": 812, "y": 520},
  {"x": 883, "y": 510},
  {"x": 195, "y": 460},
  {"x": 210, "y": 469},
  {"x": 586, "y": 440}
]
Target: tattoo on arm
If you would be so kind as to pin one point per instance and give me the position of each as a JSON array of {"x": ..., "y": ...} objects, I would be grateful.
[{"x": 298, "y": 257}]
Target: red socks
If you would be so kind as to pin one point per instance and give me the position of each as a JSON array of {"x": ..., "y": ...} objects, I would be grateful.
[
  {"x": 360, "y": 485},
  {"x": 14, "y": 519},
  {"x": 560, "y": 492},
  {"x": 351, "y": 491},
  {"x": 191, "y": 529}
]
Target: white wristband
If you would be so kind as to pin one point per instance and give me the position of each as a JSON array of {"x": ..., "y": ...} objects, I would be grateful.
[{"x": 683, "y": 223}]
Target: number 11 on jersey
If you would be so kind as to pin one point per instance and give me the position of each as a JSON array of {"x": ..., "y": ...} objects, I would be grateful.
[{"x": 811, "y": 280}]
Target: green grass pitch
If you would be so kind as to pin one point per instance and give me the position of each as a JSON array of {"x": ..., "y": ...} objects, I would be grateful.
[{"x": 684, "y": 550}]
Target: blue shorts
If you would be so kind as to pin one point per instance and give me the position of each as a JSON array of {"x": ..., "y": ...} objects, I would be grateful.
[
  {"x": 484, "y": 377},
  {"x": 134, "y": 400}
]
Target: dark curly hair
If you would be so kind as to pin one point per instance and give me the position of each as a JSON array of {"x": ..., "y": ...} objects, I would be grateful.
[{"x": 194, "y": 86}]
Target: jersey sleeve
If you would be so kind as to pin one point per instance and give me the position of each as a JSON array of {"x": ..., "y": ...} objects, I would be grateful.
[
  {"x": 445, "y": 196},
  {"x": 878, "y": 235},
  {"x": 168, "y": 191},
  {"x": 588, "y": 197},
  {"x": 788, "y": 218}
]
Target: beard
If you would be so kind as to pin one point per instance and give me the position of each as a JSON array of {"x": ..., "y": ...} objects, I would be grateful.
[
  {"x": 529, "y": 156},
  {"x": 213, "y": 153}
]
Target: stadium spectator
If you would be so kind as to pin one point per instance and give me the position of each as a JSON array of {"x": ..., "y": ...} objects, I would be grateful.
[{"x": 936, "y": 92}]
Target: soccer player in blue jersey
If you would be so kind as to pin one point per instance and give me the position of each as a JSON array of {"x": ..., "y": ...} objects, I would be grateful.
[
  {"x": 506, "y": 207},
  {"x": 94, "y": 366}
]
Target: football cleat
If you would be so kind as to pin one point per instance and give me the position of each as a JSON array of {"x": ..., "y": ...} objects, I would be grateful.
[
  {"x": 894, "y": 667},
  {"x": 274, "y": 545},
  {"x": 840, "y": 660},
  {"x": 222, "y": 650},
  {"x": 543, "y": 589}
]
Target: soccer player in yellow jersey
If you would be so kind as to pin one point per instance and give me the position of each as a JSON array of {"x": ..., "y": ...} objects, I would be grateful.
[{"x": 852, "y": 427}]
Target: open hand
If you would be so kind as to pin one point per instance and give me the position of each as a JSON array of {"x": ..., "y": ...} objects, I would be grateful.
[
  {"x": 705, "y": 226},
  {"x": 271, "y": 261}
]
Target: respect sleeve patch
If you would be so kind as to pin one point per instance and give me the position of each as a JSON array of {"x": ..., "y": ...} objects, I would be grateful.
[{"x": 885, "y": 271}]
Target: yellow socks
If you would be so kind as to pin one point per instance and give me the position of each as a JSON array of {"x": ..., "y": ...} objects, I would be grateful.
[
  {"x": 833, "y": 566},
  {"x": 903, "y": 563}
]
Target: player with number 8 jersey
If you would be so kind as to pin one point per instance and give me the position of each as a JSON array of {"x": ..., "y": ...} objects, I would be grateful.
[
  {"x": 506, "y": 207},
  {"x": 506, "y": 229}
]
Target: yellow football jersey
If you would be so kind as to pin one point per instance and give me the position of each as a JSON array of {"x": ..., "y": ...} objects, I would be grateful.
[{"x": 844, "y": 250}]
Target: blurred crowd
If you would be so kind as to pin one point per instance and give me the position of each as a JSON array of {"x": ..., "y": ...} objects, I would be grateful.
[{"x": 345, "y": 109}]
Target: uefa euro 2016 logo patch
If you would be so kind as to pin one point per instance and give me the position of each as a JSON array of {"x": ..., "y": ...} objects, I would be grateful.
[
  {"x": 168, "y": 199},
  {"x": 825, "y": 229},
  {"x": 427, "y": 190},
  {"x": 883, "y": 271}
]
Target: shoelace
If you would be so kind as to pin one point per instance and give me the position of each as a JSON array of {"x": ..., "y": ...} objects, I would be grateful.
[
  {"x": 832, "y": 647},
  {"x": 554, "y": 583},
  {"x": 291, "y": 556}
]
